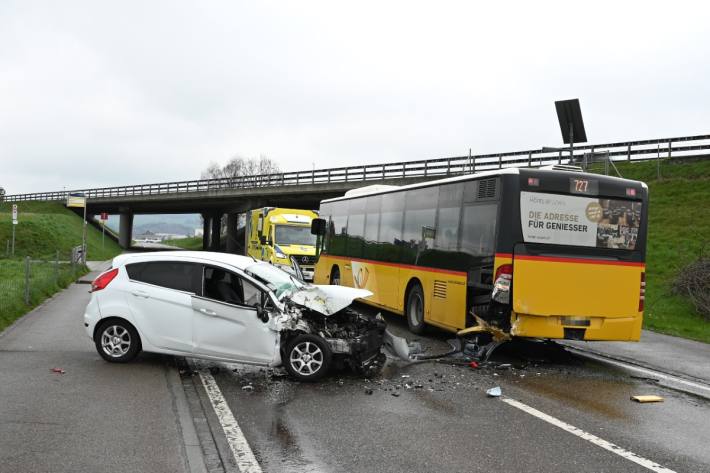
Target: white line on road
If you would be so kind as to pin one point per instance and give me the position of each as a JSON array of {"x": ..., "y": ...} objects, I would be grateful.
[
  {"x": 235, "y": 438},
  {"x": 653, "y": 466}
]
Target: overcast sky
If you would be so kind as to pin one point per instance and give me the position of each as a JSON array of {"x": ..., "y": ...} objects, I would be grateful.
[{"x": 99, "y": 93}]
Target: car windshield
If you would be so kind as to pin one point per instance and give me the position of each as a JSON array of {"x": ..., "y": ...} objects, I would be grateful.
[
  {"x": 294, "y": 235},
  {"x": 280, "y": 282}
]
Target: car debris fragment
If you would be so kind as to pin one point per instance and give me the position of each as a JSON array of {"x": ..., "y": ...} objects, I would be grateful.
[
  {"x": 494, "y": 392},
  {"x": 58, "y": 370},
  {"x": 647, "y": 398}
]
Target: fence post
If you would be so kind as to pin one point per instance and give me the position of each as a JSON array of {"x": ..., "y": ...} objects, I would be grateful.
[
  {"x": 530, "y": 160},
  {"x": 27, "y": 280},
  {"x": 500, "y": 162},
  {"x": 56, "y": 269},
  {"x": 559, "y": 158},
  {"x": 628, "y": 152},
  {"x": 669, "y": 149}
]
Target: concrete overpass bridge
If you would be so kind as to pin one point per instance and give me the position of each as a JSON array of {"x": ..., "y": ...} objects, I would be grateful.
[{"x": 214, "y": 198}]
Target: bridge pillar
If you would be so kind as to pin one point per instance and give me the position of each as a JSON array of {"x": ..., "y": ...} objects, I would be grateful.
[
  {"x": 233, "y": 245},
  {"x": 125, "y": 229},
  {"x": 205, "y": 231},
  {"x": 215, "y": 230}
]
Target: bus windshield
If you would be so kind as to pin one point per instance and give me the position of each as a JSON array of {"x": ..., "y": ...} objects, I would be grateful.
[
  {"x": 294, "y": 235},
  {"x": 580, "y": 221}
]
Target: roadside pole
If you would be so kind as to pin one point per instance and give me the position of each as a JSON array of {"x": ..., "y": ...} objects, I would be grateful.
[
  {"x": 14, "y": 224},
  {"x": 83, "y": 239},
  {"x": 27, "y": 280}
]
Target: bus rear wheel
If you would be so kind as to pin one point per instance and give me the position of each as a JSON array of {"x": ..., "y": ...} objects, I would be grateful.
[
  {"x": 335, "y": 276},
  {"x": 415, "y": 309}
]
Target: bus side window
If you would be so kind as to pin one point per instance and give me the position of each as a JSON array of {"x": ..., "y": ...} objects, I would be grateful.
[
  {"x": 448, "y": 218},
  {"x": 419, "y": 222},
  {"x": 478, "y": 229},
  {"x": 372, "y": 226},
  {"x": 390, "y": 239},
  {"x": 355, "y": 228},
  {"x": 339, "y": 235}
]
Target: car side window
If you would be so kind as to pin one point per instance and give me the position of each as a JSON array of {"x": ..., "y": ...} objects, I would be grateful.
[
  {"x": 178, "y": 275},
  {"x": 225, "y": 286}
]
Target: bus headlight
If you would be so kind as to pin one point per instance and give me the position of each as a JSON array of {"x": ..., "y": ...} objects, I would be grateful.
[{"x": 501, "y": 286}]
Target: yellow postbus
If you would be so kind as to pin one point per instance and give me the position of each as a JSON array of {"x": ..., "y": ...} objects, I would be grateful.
[{"x": 548, "y": 253}]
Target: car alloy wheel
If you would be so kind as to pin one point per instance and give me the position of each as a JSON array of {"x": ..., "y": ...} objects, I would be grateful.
[
  {"x": 306, "y": 358},
  {"x": 115, "y": 341}
]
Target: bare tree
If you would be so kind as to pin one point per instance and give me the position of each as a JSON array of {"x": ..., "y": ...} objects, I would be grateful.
[{"x": 238, "y": 167}]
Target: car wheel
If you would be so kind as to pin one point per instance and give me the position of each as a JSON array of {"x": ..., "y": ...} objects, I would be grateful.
[
  {"x": 308, "y": 357},
  {"x": 415, "y": 309},
  {"x": 335, "y": 276},
  {"x": 117, "y": 341}
]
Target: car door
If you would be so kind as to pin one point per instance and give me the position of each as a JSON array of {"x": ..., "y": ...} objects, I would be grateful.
[
  {"x": 160, "y": 298},
  {"x": 226, "y": 324}
]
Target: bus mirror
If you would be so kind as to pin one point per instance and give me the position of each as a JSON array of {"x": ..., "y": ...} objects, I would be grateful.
[
  {"x": 262, "y": 239},
  {"x": 318, "y": 226}
]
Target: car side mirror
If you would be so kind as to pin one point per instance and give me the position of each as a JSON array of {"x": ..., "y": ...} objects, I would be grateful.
[
  {"x": 318, "y": 226},
  {"x": 261, "y": 313}
]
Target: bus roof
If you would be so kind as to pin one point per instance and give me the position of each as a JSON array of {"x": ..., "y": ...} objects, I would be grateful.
[{"x": 466, "y": 177}]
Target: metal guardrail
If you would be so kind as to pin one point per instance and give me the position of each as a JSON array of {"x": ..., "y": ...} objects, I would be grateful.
[{"x": 687, "y": 146}]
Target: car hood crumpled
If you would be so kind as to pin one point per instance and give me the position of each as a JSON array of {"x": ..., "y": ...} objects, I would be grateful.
[{"x": 325, "y": 299}]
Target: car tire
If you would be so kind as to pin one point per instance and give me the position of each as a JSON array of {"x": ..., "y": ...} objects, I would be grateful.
[
  {"x": 117, "y": 341},
  {"x": 335, "y": 276},
  {"x": 307, "y": 357},
  {"x": 414, "y": 310}
]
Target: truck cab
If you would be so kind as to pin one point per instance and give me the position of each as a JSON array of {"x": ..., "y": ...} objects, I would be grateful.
[{"x": 276, "y": 234}]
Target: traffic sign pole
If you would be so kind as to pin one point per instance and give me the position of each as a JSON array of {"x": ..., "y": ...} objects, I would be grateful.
[{"x": 14, "y": 224}]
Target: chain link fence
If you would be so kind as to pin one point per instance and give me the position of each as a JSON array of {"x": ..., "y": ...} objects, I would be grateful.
[{"x": 25, "y": 282}]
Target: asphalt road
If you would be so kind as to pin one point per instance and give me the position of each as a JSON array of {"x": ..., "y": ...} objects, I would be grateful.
[
  {"x": 449, "y": 424},
  {"x": 96, "y": 416},
  {"x": 413, "y": 417}
]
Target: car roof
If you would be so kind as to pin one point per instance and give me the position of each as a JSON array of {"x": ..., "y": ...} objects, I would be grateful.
[{"x": 237, "y": 261}]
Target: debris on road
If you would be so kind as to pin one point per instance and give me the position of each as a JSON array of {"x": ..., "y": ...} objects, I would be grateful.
[
  {"x": 58, "y": 370},
  {"x": 248, "y": 388},
  {"x": 494, "y": 392},
  {"x": 473, "y": 364},
  {"x": 647, "y": 398}
]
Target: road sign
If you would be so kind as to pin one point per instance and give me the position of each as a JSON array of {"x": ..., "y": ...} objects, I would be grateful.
[
  {"x": 76, "y": 200},
  {"x": 14, "y": 214},
  {"x": 104, "y": 216}
]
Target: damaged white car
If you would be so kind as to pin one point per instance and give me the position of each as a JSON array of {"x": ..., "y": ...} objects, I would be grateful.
[{"x": 232, "y": 308}]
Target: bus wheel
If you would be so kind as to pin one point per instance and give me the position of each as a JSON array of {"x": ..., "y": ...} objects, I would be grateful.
[
  {"x": 415, "y": 309},
  {"x": 335, "y": 276}
]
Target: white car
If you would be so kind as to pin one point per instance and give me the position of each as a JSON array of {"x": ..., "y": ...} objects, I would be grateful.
[{"x": 231, "y": 308}]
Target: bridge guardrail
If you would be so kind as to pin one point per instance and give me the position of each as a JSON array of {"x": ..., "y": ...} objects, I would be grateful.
[{"x": 687, "y": 146}]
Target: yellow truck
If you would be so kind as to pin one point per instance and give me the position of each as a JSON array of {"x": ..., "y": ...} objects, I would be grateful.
[{"x": 275, "y": 235}]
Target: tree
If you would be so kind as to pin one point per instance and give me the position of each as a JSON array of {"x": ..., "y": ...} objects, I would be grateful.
[{"x": 238, "y": 166}]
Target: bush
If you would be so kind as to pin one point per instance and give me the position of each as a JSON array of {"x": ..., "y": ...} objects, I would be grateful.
[{"x": 694, "y": 282}]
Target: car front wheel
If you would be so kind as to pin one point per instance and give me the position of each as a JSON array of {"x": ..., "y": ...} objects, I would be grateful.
[
  {"x": 308, "y": 357},
  {"x": 117, "y": 341}
]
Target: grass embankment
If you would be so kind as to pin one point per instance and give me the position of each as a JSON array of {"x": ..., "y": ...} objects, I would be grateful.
[
  {"x": 678, "y": 229},
  {"x": 44, "y": 229},
  {"x": 191, "y": 243}
]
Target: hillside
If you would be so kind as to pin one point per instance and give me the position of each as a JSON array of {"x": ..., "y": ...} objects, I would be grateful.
[
  {"x": 679, "y": 229},
  {"x": 45, "y": 227},
  {"x": 46, "y": 231}
]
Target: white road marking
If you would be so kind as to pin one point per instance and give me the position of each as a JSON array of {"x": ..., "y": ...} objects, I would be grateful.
[
  {"x": 653, "y": 466},
  {"x": 235, "y": 438}
]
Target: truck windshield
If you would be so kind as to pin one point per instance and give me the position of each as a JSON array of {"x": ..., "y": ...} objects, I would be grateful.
[{"x": 294, "y": 235}]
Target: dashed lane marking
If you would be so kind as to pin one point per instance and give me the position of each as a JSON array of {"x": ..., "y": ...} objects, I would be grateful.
[
  {"x": 651, "y": 465},
  {"x": 238, "y": 444}
]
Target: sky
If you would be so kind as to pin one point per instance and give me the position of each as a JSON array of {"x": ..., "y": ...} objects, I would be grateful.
[{"x": 98, "y": 93}]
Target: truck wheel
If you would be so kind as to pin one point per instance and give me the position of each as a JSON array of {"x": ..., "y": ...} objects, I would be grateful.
[
  {"x": 415, "y": 309},
  {"x": 335, "y": 276},
  {"x": 308, "y": 357}
]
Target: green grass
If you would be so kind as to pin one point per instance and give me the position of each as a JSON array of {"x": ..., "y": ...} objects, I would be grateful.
[
  {"x": 191, "y": 243},
  {"x": 44, "y": 229},
  {"x": 678, "y": 229}
]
